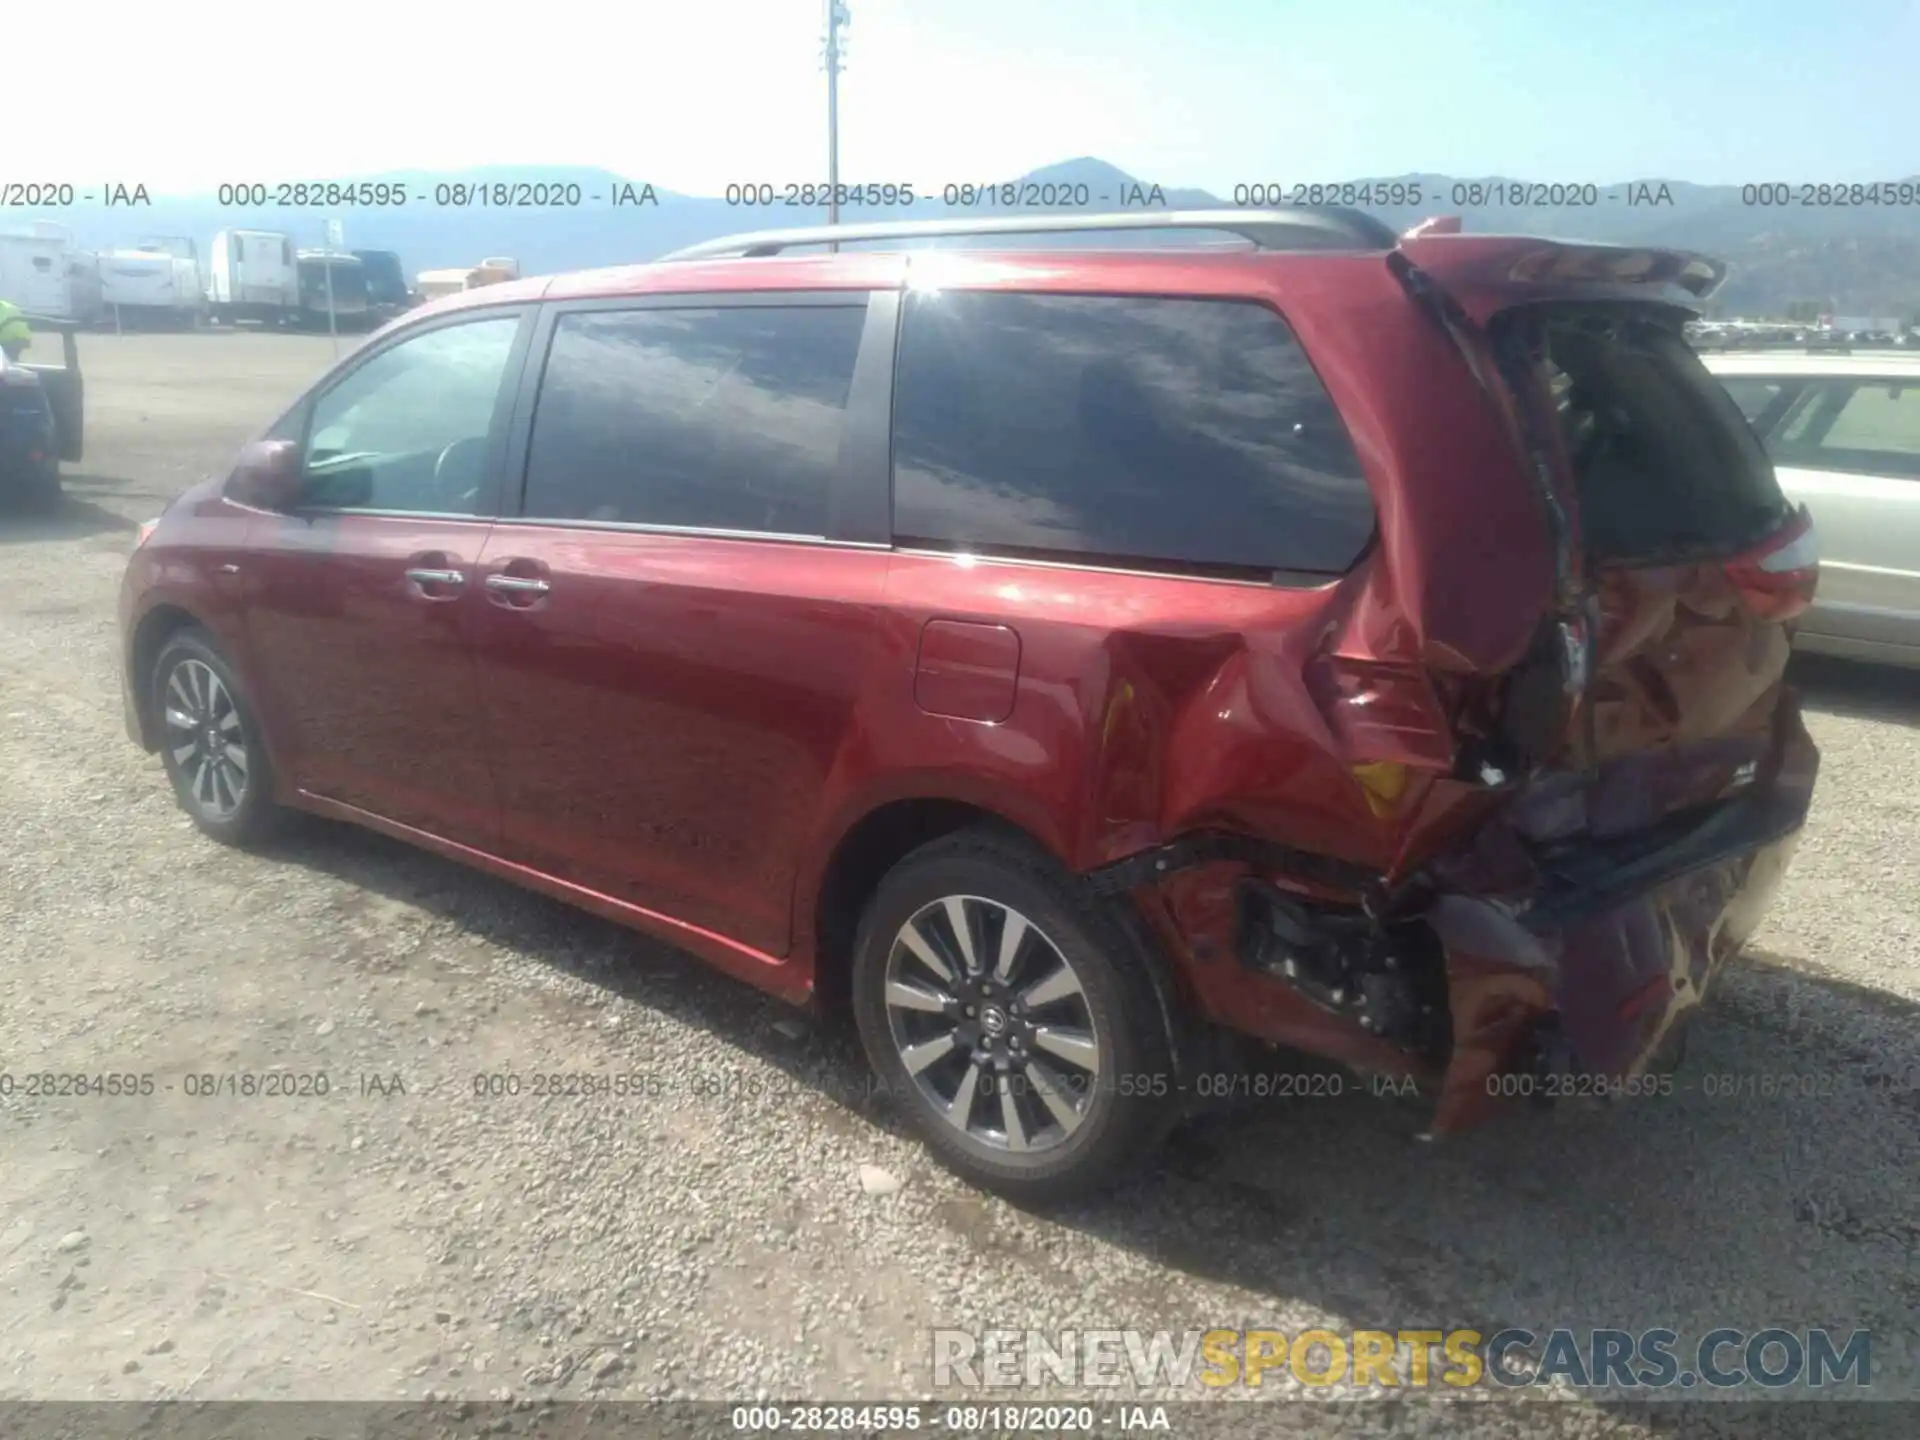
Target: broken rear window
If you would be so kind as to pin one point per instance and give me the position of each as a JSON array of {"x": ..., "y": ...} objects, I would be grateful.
[{"x": 1666, "y": 465}]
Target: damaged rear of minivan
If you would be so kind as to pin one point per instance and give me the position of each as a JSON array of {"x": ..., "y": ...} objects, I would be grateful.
[{"x": 1578, "y": 735}]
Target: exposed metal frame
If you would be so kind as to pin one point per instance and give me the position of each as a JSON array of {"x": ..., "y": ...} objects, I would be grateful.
[{"x": 1299, "y": 228}]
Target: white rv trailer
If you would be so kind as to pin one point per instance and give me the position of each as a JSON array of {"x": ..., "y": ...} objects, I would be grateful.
[
  {"x": 253, "y": 275},
  {"x": 44, "y": 274},
  {"x": 155, "y": 284}
]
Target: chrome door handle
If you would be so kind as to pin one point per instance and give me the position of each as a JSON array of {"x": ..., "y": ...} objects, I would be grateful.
[
  {"x": 436, "y": 577},
  {"x": 517, "y": 585}
]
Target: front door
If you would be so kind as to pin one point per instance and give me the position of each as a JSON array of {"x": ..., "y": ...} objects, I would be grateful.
[
  {"x": 673, "y": 634},
  {"x": 361, "y": 603}
]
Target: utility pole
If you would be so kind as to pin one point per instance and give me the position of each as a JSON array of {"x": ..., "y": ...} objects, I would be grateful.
[
  {"x": 837, "y": 20},
  {"x": 336, "y": 237}
]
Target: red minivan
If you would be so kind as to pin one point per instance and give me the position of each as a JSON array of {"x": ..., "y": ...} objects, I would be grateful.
[{"x": 1368, "y": 644}]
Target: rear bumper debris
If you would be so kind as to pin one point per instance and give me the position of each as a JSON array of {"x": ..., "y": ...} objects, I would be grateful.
[
  {"x": 1585, "y": 1003},
  {"x": 1558, "y": 952},
  {"x": 1586, "y": 986}
]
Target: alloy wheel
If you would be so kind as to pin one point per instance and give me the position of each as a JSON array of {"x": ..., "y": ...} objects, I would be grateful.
[
  {"x": 993, "y": 1024},
  {"x": 206, "y": 740}
]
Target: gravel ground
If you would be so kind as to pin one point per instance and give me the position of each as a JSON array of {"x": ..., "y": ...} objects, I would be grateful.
[{"x": 716, "y": 1236}]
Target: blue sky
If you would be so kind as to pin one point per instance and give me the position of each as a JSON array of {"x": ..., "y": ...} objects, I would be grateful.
[{"x": 1212, "y": 92}]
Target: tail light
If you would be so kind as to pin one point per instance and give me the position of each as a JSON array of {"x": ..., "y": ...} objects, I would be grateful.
[
  {"x": 1777, "y": 578},
  {"x": 1384, "y": 783},
  {"x": 1384, "y": 712},
  {"x": 144, "y": 533}
]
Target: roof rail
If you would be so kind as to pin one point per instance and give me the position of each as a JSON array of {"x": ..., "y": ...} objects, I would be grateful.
[{"x": 1293, "y": 228}]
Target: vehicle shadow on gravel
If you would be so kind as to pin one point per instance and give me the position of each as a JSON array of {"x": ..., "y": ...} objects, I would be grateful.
[
  {"x": 824, "y": 1056},
  {"x": 1759, "y": 1193},
  {"x": 72, "y": 517},
  {"x": 1857, "y": 690}
]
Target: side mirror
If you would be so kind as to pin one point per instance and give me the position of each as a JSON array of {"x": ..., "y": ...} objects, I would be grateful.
[{"x": 268, "y": 476}]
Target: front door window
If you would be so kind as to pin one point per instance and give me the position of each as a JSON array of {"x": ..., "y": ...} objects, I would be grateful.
[{"x": 409, "y": 430}]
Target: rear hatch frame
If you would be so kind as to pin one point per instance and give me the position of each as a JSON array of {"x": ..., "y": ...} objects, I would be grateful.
[
  {"x": 1496, "y": 297},
  {"x": 1614, "y": 829}
]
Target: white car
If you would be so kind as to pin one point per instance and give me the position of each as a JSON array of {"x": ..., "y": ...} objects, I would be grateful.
[{"x": 1844, "y": 435}]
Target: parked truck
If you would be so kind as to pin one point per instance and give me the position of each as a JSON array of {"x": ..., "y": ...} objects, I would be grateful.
[
  {"x": 388, "y": 293},
  {"x": 253, "y": 275},
  {"x": 42, "y": 415},
  {"x": 332, "y": 279}
]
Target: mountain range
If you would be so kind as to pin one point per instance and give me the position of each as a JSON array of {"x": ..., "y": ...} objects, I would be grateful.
[{"x": 1853, "y": 259}]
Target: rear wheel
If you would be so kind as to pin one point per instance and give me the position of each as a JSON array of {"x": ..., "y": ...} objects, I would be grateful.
[
  {"x": 210, "y": 742},
  {"x": 40, "y": 485},
  {"x": 1013, "y": 1022}
]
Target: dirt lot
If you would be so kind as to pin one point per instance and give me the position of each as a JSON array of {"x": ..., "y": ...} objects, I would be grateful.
[{"x": 402, "y": 1235}]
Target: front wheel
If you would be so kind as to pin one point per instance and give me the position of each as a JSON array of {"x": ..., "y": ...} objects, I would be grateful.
[
  {"x": 1014, "y": 1023},
  {"x": 210, "y": 742},
  {"x": 40, "y": 485}
]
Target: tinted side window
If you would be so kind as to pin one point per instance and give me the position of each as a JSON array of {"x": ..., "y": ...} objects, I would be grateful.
[
  {"x": 1174, "y": 432},
  {"x": 1870, "y": 427},
  {"x": 723, "y": 419}
]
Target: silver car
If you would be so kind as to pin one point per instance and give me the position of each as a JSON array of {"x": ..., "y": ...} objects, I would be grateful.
[{"x": 1844, "y": 434}]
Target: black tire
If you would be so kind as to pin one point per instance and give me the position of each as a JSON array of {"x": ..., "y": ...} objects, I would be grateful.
[
  {"x": 31, "y": 488},
  {"x": 43, "y": 492},
  {"x": 1124, "y": 1108},
  {"x": 205, "y": 790}
]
